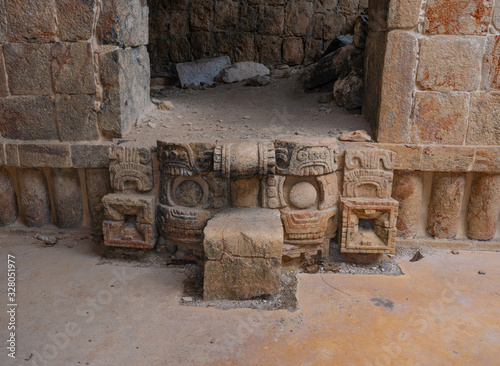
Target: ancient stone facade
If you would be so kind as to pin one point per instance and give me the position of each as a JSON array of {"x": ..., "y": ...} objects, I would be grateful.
[{"x": 270, "y": 32}]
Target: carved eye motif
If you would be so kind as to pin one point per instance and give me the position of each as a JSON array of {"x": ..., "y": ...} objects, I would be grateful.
[
  {"x": 323, "y": 155},
  {"x": 183, "y": 156},
  {"x": 302, "y": 155},
  {"x": 173, "y": 155}
]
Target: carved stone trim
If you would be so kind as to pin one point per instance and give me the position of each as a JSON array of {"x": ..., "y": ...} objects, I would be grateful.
[
  {"x": 130, "y": 169},
  {"x": 118, "y": 206}
]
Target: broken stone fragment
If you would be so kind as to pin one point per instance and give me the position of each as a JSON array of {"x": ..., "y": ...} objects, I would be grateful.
[
  {"x": 166, "y": 106},
  {"x": 260, "y": 80},
  {"x": 201, "y": 71},
  {"x": 360, "y": 31},
  {"x": 337, "y": 43},
  {"x": 243, "y": 71},
  {"x": 355, "y": 136},
  {"x": 348, "y": 91}
]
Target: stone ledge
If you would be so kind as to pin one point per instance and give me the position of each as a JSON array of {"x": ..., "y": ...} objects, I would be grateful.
[{"x": 434, "y": 243}]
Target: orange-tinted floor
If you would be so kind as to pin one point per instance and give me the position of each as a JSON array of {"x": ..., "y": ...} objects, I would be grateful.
[{"x": 72, "y": 311}]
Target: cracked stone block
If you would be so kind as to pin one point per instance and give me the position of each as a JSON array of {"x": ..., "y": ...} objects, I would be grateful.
[
  {"x": 368, "y": 225},
  {"x": 243, "y": 249},
  {"x": 125, "y": 77},
  {"x": 8, "y": 208},
  {"x": 124, "y": 23},
  {"x": 129, "y": 234},
  {"x": 28, "y": 68},
  {"x": 72, "y": 68},
  {"x": 118, "y": 206}
]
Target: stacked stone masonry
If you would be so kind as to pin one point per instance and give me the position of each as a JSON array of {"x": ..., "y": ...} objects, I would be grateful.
[
  {"x": 72, "y": 70},
  {"x": 271, "y": 32}
]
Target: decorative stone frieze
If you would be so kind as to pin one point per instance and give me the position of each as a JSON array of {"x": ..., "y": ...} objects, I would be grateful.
[
  {"x": 131, "y": 169},
  {"x": 273, "y": 192},
  {"x": 185, "y": 159},
  {"x": 129, "y": 234},
  {"x": 119, "y": 206},
  {"x": 368, "y": 225},
  {"x": 368, "y": 173}
]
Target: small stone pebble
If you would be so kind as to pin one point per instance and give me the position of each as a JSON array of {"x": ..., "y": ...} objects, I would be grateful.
[{"x": 481, "y": 273}]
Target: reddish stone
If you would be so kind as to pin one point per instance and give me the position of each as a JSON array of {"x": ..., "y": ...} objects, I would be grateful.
[
  {"x": 32, "y": 21},
  {"x": 484, "y": 207},
  {"x": 458, "y": 17},
  {"x": 446, "y": 201},
  {"x": 408, "y": 191},
  {"x": 491, "y": 64}
]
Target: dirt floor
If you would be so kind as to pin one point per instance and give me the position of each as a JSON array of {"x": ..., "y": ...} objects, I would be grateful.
[
  {"x": 75, "y": 309},
  {"x": 237, "y": 111}
]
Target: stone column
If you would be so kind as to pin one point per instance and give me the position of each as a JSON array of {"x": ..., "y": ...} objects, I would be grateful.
[
  {"x": 67, "y": 197},
  {"x": 35, "y": 200},
  {"x": 98, "y": 185},
  {"x": 8, "y": 207},
  {"x": 408, "y": 190},
  {"x": 446, "y": 200},
  {"x": 484, "y": 207}
]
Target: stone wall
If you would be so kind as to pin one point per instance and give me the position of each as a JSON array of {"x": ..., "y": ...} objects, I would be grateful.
[
  {"x": 272, "y": 32},
  {"x": 72, "y": 70}
]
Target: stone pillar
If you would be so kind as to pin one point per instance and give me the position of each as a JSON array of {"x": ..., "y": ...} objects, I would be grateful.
[
  {"x": 408, "y": 190},
  {"x": 446, "y": 200},
  {"x": 98, "y": 185},
  {"x": 35, "y": 201},
  {"x": 8, "y": 207},
  {"x": 484, "y": 207},
  {"x": 67, "y": 197}
]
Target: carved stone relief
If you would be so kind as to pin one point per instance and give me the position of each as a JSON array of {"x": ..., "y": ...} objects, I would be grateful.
[{"x": 130, "y": 169}]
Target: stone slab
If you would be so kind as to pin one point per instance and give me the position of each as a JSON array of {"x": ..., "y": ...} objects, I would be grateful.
[
  {"x": 75, "y": 19},
  {"x": 484, "y": 119},
  {"x": 201, "y": 71},
  {"x": 76, "y": 117},
  {"x": 45, "y": 155},
  {"x": 72, "y": 68},
  {"x": 90, "y": 155},
  {"x": 30, "y": 21}
]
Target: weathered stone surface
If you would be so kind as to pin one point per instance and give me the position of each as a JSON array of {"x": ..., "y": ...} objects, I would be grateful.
[
  {"x": 368, "y": 225},
  {"x": 458, "y": 17},
  {"x": 201, "y": 15},
  {"x": 298, "y": 15},
  {"x": 129, "y": 234},
  {"x": 450, "y": 63},
  {"x": 484, "y": 123},
  {"x": 403, "y": 13},
  {"x": 333, "y": 23},
  {"x": 3, "y": 21},
  {"x": 348, "y": 91},
  {"x": 244, "y": 158},
  {"x": 119, "y": 206},
  {"x": 338, "y": 42},
  {"x": 12, "y": 154},
  {"x": 245, "y": 192},
  {"x": 270, "y": 50},
  {"x": 131, "y": 169},
  {"x": 98, "y": 185},
  {"x": 360, "y": 31},
  {"x": 376, "y": 44},
  {"x": 34, "y": 194},
  {"x": 484, "y": 207},
  {"x": 28, "y": 68},
  {"x": 293, "y": 51},
  {"x": 124, "y": 23},
  {"x": 447, "y": 158},
  {"x": 8, "y": 208},
  {"x": 355, "y": 136},
  {"x": 28, "y": 118},
  {"x": 306, "y": 156},
  {"x": 308, "y": 227},
  {"x": 272, "y": 192},
  {"x": 125, "y": 75},
  {"x": 44, "y": 155},
  {"x": 185, "y": 159},
  {"x": 90, "y": 155},
  {"x": 226, "y": 14},
  {"x": 202, "y": 71},
  {"x": 4, "y": 88},
  {"x": 496, "y": 15},
  {"x": 335, "y": 65},
  {"x": 243, "y": 71},
  {"x": 201, "y": 45},
  {"x": 67, "y": 197},
  {"x": 487, "y": 159},
  {"x": 72, "y": 68},
  {"x": 440, "y": 118},
  {"x": 32, "y": 21},
  {"x": 244, "y": 250},
  {"x": 368, "y": 173},
  {"x": 75, "y": 19},
  {"x": 408, "y": 191},
  {"x": 446, "y": 200},
  {"x": 408, "y": 157},
  {"x": 76, "y": 117},
  {"x": 271, "y": 20},
  {"x": 491, "y": 64},
  {"x": 396, "y": 93}
]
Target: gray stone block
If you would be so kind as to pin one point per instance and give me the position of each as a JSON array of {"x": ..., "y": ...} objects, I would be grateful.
[
  {"x": 202, "y": 71},
  {"x": 76, "y": 117}
]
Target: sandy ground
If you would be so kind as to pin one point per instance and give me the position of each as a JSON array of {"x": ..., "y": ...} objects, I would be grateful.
[
  {"x": 73, "y": 311},
  {"x": 230, "y": 111}
]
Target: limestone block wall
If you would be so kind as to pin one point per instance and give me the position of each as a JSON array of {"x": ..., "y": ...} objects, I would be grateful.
[
  {"x": 72, "y": 70},
  {"x": 272, "y": 32}
]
